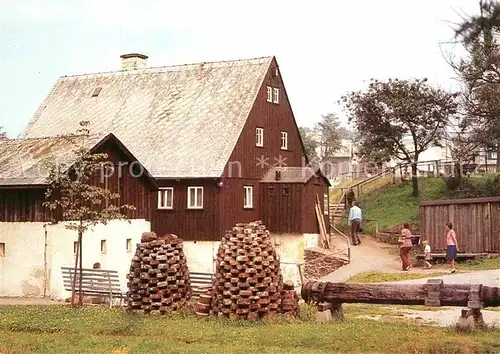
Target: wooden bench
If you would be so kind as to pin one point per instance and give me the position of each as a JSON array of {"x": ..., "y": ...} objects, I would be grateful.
[
  {"x": 97, "y": 282},
  {"x": 200, "y": 282}
]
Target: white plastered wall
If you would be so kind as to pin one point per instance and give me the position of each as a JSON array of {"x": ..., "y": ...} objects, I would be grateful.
[{"x": 27, "y": 260}]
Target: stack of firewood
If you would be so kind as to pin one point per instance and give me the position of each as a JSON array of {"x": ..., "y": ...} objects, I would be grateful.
[
  {"x": 248, "y": 281},
  {"x": 204, "y": 304},
  {"x": 290, "y": 302},
  {"x": 158, "y": 281}
]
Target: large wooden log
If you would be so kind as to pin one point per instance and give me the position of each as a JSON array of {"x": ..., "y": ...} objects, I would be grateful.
[{"x": 404, "y": 294}]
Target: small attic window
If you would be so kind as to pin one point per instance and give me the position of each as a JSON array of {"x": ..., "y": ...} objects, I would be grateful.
[{"x": 97, "y": 91}]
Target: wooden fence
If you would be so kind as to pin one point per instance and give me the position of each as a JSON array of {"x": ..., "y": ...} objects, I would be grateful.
[{"x": 476, "y": 222}]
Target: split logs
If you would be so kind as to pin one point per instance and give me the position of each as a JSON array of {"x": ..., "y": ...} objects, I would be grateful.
[
  {"x": 248, "y": 280},
  {"x": 434, "y": 293},
  {"x": 158, "y": 281},
  {"x": 290, "y": 302}
]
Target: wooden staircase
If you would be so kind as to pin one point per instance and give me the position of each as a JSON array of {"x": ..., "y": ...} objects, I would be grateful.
[{"x": 336, "y": 213}]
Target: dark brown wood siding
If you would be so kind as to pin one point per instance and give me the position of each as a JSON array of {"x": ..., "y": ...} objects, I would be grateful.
[
  {"x": 314, "y": 187},
  {"x": 189, "y": 224},
  {"x": 273, "y": 118},
  {"x": 281, "y": 206},
  {"x": 232, "y": 208},
  {"x": 475, "y": 221},
  {"x": 128, "y": 180},
  {"x": 243, "y": 167},
  {"x": 25, "y": 204}
]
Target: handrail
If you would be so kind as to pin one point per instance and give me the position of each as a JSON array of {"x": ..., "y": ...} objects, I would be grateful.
[{"x": 347, "y": 241}]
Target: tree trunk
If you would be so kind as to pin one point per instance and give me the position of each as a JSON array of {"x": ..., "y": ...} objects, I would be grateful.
[
  {"x": 73, "y": 285},
  {"x": 80, "y": 299},
  {"x": 498, "y": 157},
  {"x": 406, "y": 294},
  {"x": 414, "y": 179}
]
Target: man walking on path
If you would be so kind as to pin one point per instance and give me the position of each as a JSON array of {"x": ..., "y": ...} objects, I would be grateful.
[
  {"x": 355, "y": 218},
  {"x": 349, "y": 198}
]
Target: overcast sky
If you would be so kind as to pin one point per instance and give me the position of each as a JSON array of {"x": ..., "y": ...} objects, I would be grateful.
[{"x": 324, "y": 48}]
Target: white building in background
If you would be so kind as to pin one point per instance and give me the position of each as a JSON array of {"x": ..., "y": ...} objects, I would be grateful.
[{"x": 428, "y": 157}]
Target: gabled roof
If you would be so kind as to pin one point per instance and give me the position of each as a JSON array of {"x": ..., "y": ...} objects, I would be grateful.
[
  {"x": 179, "y": 121},
  {"x": 23, "y": 162},
  {"x": 292, "y": 175}
]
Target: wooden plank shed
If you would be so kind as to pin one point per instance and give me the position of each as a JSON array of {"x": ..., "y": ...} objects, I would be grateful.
[{"x": 476, "y": 222}]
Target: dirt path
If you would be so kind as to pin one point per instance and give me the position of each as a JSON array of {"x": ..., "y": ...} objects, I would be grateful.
[
  {"x": 486, "y": 277},
  {"x": 370, "y": 256}
]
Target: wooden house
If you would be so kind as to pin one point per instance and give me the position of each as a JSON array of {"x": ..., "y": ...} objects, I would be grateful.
[
  {"x": 24, "y": 175},
  {"x": 207, "y": 136},
  {"x": 207, "y": 132},
  {"x": 32, "y": 246}
]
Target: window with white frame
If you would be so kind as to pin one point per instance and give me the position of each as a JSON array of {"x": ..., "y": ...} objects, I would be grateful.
[
  {"x": 259, "y": 136},
  {"x": 248, "y": 199},
  {"x": 284, "y": 140},
  {"x": 128, "y": 245},
  {"x": 2, "y": 249},
  {"x": 269, "y": 94},
  {"x": 195, "y": 197},
  {"x": 166, "y": 198},
  {"x": 276, "y": 95}
]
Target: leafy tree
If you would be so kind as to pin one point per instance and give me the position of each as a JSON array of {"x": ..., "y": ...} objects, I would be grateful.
[
  {"x": 479, "y": 75},
  {"x": 387, "y": 112},
  {"x": 329, "y": 133},
  {"x": 81, "y": 203},
  {"x": 310, "y": 143}
]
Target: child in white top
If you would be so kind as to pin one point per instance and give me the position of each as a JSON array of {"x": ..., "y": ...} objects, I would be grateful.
[{"x": 427, "y": 254}]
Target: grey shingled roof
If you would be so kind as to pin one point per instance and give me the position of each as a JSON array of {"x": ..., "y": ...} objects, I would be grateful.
[
  {"x": 289, "y": 175},
  {"x": 179, "y": 121},
  {"x": 24, "y": 161}
]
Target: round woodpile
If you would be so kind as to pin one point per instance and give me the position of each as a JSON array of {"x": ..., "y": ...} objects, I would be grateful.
[
  {"x": 248, "y": 281},
  {"x": 158, "y": 281},
  {"x": 204, "y": 304},
  {"x": 290, "y": 302}
]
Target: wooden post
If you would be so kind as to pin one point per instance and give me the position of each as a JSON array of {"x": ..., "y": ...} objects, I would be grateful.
[
  {"x": 328, "y": 311},
  {"x": 434, "y": 293},
  {"x": 433, "y": 288},
  {"x": 337, "y": 312}
]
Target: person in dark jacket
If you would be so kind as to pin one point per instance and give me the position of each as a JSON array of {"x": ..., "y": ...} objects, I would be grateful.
[{"x": 350, "y": 197}]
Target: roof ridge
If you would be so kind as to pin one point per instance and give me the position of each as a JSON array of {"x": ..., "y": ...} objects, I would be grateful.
[
  {"x": 165, "y": 67},
  {"x": 95, "y": 135}
]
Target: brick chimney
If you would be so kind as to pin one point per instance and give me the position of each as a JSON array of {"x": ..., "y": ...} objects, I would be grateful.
[{"x": 134, "y": 61}]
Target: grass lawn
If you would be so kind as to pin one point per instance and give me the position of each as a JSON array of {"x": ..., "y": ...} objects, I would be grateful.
[
  {"x": 377, "y": 277},
  {"x": 394, "y": 204},
  {"x": 480, "y": 264},
  {"x": 462, "y": 267},
  {"x": 61, "y": 329}
]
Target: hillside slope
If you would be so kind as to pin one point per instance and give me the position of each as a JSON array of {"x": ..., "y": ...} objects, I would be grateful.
[{"x": 393, "y": 204}]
